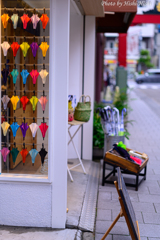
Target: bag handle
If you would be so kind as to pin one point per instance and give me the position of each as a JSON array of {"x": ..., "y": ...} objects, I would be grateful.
[
  {"x": 89, "y": 98},
  {"x": 84, "y": 98}
]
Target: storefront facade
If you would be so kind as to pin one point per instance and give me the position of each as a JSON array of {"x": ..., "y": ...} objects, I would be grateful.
[{"x": 31, "y": 194}]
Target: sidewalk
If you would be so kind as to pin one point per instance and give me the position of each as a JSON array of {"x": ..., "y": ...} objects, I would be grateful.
[{"x": 145, "y": 137}]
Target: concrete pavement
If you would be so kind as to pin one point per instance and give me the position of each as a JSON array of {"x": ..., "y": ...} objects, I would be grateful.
[{"x": 145, "y": 137}]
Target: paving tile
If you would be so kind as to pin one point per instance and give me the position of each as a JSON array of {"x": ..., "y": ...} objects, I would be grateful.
[
  {"x": 157, "y": 207},
  {"x": 153, "y": 238},
  {"x": 104, "y": 196},
  {"x": 133, "y": 196},
  {"x": 149, "y": 230},
  {"x": 156, "y": 170},
  {"x": 99, "y": 236},
  {"x": 107, "y": 188},
  {"x": 122, "y": 237},
  {"x": 122, "y": 219},
  {"x": 149, "y": 198},
  {"x": 141, "y": 189},
  {"x": 143, "y": 207},
  {"x": 87, "y": 236},
  {"x": 153, "y": 218},
  {"x": 150, "y": 183},
  {"x": 103, "y": 215},
  {"x": 154, "y": 177},
  {"x": 154, "y": 190},
  {"x": 109, "y": 205},
  {"x": 120, "y": 228}
]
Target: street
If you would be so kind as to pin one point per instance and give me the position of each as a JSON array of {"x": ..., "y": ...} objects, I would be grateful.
[
  {"x": 146, "y": 202},
  {"x": 149, "y": 93}
]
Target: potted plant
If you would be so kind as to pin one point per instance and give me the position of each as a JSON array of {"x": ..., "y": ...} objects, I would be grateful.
[
  {"x": 98, "y": 137},
  {"x": 120, "y": 102}
]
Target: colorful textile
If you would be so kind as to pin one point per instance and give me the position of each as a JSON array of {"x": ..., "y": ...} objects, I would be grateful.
[
  {"x": 14, "y": 153},
  {"x": 43, "y": 101},
  {"x": 5, "y": 17},
  {"x": 43, "y": 73},
  {"x": 5, "y": 151},
  {"x": 24, "y": 75},
  {"x": 15, "y": 46},
  {"x": 34, "y": 127},
  {"x": 35, "y": 19},
  {"x": 5, "y": 73},
  {"x": 25, "y": 19},
  {"x": 24, "y": 47},
  {"x": 14, "y": 74},
  {"x": 5, "y": 46},
  {"x": 24, "y": 127},
  {"x": 43, "y": 153},
  {"x": 5, "y": 99},
  {"x": 44, "y": 19},
  {"x": 43, "y": 127},
  {"x": 14, "y": 101},
  {"x": 34, "y": 47},
  {"x": 34, "y": 101},
  {"x": 24, "y": 100},
  {"x": 33, "y": 153},
  {"x": 44, "y": 47},
  {"x": 24, "y": 154},
  {"x": 5, "y": 126},
  {"x": 14, "y": 19},
  {"x": 14, "y": 126},
  {"x": 34, "y": 74}
]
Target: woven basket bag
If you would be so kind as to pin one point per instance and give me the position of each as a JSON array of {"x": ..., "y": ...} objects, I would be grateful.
[{"x": 83, "y": 110}]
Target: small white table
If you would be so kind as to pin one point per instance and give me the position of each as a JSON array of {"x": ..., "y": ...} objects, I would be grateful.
[{"x": 72, "y": 124}]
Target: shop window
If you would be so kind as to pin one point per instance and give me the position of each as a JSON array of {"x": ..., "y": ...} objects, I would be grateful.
[{"x": 24, "y": 87}]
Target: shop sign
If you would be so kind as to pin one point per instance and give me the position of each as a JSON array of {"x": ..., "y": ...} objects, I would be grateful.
[
  {"x": 133, "y": 44},
  {"x": 119, "y": 5}
]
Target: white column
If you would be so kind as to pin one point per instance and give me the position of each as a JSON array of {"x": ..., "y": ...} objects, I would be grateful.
[
  {"x": 89, "y": 80},
  {"x": 58, "y": 111}
]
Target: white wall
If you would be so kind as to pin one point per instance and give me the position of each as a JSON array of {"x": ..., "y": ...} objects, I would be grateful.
[
  {"x": 75, "y": 75},
  {"x": 25, "y": 204},
  {"x": 89, "y": 80},
  {"x": 75, "y": 69},
  {"x": 58, "y": 110}
]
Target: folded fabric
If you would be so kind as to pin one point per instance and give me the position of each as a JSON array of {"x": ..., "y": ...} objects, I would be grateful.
[
  {"x": 137, "y": 160},
  {"x": 122, "y": 152},
  {"x": 122, "y": 145}
]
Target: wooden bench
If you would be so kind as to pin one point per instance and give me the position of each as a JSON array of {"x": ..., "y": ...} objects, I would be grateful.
[{"x": 126, "y": 166}]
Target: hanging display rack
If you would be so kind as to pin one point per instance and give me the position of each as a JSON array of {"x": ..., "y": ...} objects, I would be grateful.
[
  {"x": 27, "y": 9},
  {"x": 26, "y": 117},
  {"x": 27, "y": 91},
  {"x": 27, "y": 64},
  {"x": 29, "y": 37},
  {"x": 29, "y": 144}
]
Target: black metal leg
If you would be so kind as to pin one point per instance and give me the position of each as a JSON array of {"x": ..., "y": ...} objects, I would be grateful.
[
  {"x": 114, "y": 171},
  {"x": 103, "y": 175},
  {"x": 137, "y": 180},
  {"x": 145, "y": 171}
]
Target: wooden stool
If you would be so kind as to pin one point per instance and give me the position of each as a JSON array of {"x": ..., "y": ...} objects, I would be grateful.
[{"x": 126, "y": 166}]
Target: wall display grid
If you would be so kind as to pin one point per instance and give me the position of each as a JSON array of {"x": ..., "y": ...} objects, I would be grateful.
[{"x": 24, "y": 89}]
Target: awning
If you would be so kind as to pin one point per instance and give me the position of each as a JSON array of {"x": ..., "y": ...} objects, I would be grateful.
[
  {"x": 93, "y": 7},
  {"x": 118, "y": 16}
]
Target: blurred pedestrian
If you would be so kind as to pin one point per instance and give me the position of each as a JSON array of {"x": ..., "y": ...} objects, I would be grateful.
[{"x": 106, "y": 78}]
